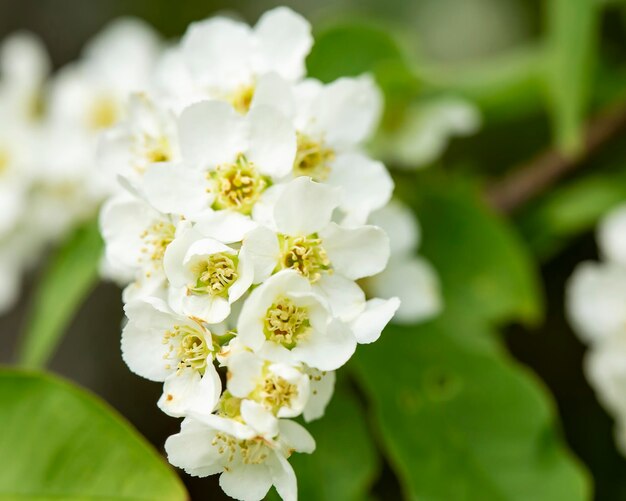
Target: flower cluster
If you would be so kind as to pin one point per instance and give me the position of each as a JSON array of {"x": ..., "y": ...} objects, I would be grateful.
[
  {"x": 248, "y": 232},
  {"x": 49, "y": 130},
  {"x": 596, "y": 296}
]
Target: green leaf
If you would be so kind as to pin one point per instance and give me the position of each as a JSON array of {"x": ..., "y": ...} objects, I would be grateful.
[
  {"x": 570, "y": 210},
  {"x": 572, "y": 34},
  {"x": 459, "y": 421},
  {"x": 345, "y": 462},
  {"x": 70, "y": 276},
  {"x": 484, "y": 267},
  {"x": 59, "y": 442}
]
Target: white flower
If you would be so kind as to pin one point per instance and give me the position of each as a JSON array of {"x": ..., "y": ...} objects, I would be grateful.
[
  {"x": 226, "y": 57},
  {"x": 595, "y": 295},
  {"x": 306, "y": 239},
  {"x": 161, "y": 346},
  {"x": 147, "y": 135},
  {"x": 285, "y": 321},
  {"x": 136, "y": 238},
  {"x": 229, "y": 160},
  {"x": 282, "y": 389},
  {"x": 407, "y": 276},
  {"x": 205, "y": 272},
  {"x": 249, "y": 464}
]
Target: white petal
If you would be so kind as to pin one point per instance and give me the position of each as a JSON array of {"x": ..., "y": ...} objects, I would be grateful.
[
  {"x": 225, "y": 226},
  {"x": 596, "y": 295},
  {"x": 217, "y": 52},
  {"x": 188, "y": 449},
  {"x": 348, "y": 111},
  {"x": 283, "y": 477},
  {"x": 369, "y": 325},
  {"x": 260, "y": 419},
  {"x": 305, "y": 207},
  {"x": 174, "y": 259},
  {"x": 272, "y": 145},
  {"x": 246, "y": 482},
  {"x": 366, "y": 185},
  {"x": 261, "y": 246},
  {"x": 284, "y": 40},
  {"x": 345, "y": 297},
  {"x": 612, "y": 236},
  {"x": 415, "y": 282},
  {"x": 212, "y": 310},
  {"x": 211, "y": 133},
  {"x": 296, "y": 436},
  {"x": 322, "y": 388},
  {"x": 401, "y": 226},
  {"x": 244, "y": 369},
  {"x": 176, "y": 189},
  {"x": 356, "y": 252},
  {"x": 188, "y": 391},
  {"x": 245, "y": 271},
  {"x": 327, "y": 351},
  {"x": 274, "y": 91}
]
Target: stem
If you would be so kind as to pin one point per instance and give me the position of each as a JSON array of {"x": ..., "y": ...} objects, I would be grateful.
[{"x": 534, "y": 177}]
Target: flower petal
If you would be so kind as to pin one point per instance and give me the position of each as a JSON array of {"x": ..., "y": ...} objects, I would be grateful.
[
  {"x": 356, "y": 252},
  {"x": 187, "y": 390},
  {"x": 284, "y": 40},
  {"x": 369, "y": 325},
  {"x": 327, "y": 351},
  {"x": 305, "y": 207},
  {"x": 211, "y": 133},
  {"x": 272, "y": 146},
  {"x": 188, "y": 449},
  {"x": 246, "y": 482}
]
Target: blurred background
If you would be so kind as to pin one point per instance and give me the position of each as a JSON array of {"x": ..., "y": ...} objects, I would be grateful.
[{"x": 450, "y": 39}]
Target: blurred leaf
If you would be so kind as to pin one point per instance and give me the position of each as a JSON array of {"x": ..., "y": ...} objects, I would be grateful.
[
  {"x": 505, "y": 86},
  {"x": 70, "y": 276},
  {"x": 59, "y": 442},
  {"x": 459, "y": 421},
  {"x": 484, "y": 267},
  {"x": 572, "y": 33},
  {"x": 345, "y": 462},
  {"x": 570, "y": 210}
]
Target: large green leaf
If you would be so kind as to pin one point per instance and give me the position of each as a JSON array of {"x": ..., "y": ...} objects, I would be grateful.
[
  {"x": 572, "y": 33},
  {"x": 71, "y": 274},
  {"x": 345, "y": 462},
  {"x": 459, "y": 421},
  {"x": 60, "y": 443},
  {"x": 485, "y": 269}
]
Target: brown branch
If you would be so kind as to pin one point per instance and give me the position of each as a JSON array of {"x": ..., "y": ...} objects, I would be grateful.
[{"x": 529, "y": 180}]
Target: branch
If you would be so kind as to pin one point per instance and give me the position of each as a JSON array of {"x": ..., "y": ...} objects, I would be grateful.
[{"x": 531, "y": 179}]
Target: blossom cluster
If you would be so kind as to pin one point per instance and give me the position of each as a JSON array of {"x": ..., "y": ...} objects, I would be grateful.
[
  {"x": 596, "y": 295},
  {"x": 49, "y": 130},
  {"x": 257, "y": 242}
]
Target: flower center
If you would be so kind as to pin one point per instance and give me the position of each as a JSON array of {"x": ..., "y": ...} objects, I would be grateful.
[
  {"x": 241, "y": 99},
  {"x": 312, "y": 158},
  {"x": 216, "y": 274},
  {"x": 152, "y": 149},
  {"x": 237, "y": 186},
  {"x": 188, "y": 348},
  {"x": 156, "y": 239},
  {"x": 305, "y": 255},
  {"x": 277, "y": 392},
  {"x": 104, "y": 112},
  {"x": 253, "y": 451},
  {"x": 286, "y": 323}
]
